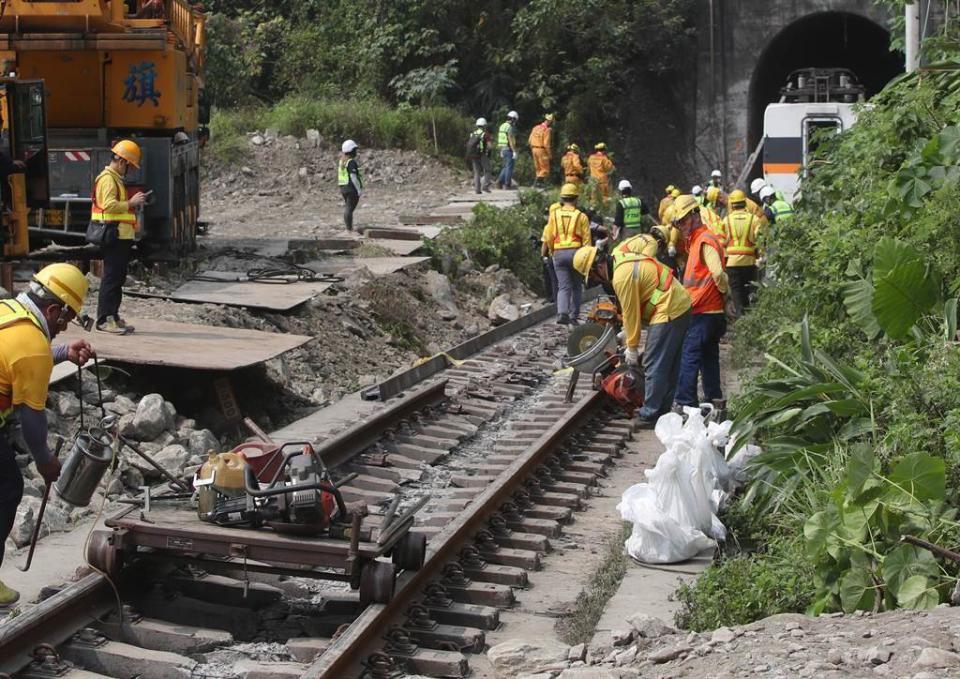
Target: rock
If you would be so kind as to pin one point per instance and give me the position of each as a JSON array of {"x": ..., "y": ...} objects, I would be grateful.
[
  {"x": 115, "y": 487},
  {"x": 625, "y": 657},
  {"x": 55, "y": 519},
  {"x": 598, "y": 673},
  {"x": 67, "y": 404},
  {"x": 668, "y": 654},
  {"x": 722, "y": 635},
  {"x": 502, "y": 310},
  {"x": 649, "y": 627},
  {"x": 132, "y": 477},
  {"x": 152, "y": 418},
  {"x": 24, "y": 521},
  {"x": 877, "y": 656},
  {"x": 121, "y": 405},
  {"x": 201, "y": 442},
  {"x": 578, "y": 652},
  {"x": 493, "y": 268},
  {"x": 440, "y": 289},
  {"x": 271, "y": 134},
  {"x": 515, "y": 656},
  {"x": 172, "y": 458},
  {"x": 313, "y": 138},
  {"x": 937, "y": 658},
  {"x": 835, "y": 656},
  {"x": 303, "y": 173},
  {"x": 621, "y": 637},
  {"x": 257, "y": 140}
]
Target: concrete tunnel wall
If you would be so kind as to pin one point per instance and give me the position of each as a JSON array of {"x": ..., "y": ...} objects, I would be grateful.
[{"x": 755, "y": 45}]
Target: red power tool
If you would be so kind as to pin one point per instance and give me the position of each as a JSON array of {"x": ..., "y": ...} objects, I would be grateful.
[{"x": 623, "y": 384}]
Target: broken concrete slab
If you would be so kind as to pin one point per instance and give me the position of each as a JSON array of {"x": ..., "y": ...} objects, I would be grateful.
[
  {"x": 246, "y": 293},
  {"x": 378, "y": 266}
]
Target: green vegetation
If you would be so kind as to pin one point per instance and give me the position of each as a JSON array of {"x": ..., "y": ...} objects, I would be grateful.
[
  {"x": 509, "y": 237},
  {"x": 857, "y": 404},
  {"x": 483, "y": 58},
  {"x": 579, "y": 625}
]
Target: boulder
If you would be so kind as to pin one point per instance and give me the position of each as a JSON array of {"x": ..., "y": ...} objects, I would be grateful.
[
  {"x": 152, "y": 418},
  {"x": 121, "y": 405},
  {"x": 649, "y": 627},
  {"x": 932, "y": 657},
  {"x": 257, "y": 140},
  {"x": 502, "y": 310},
  {"x": 313, "y": 138},
  {"x": 132, "y": 477},
  {"x": 271, "y": 134},
  {"x": 515, "y": 656},
  {"x": 202, "y": 442},
  {"x": 25, "y": 520},
  {"x": 440, "y": 289},
  {"x": 722, "y": 635},
  {"x": 67, "y": 404},
  {"x": 173, "y": 458}
]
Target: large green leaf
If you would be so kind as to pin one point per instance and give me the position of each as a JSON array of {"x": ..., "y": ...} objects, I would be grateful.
[
  {"x": 922, "y": 476},
  {"x": 856, "y": 590},
  {"x": 858, "y": 300},
  {"x": 904, "y": 561},
  {"x": 903, "y": 296},
  {"x": 918, "y": 592},
  {"x": 889, "y": 252},
  {"x": 950, "y": 319},
  {"x": 847, "y": 407},
  {"x": 855, "y": 428},
  {"x": 860, "y": 467}
]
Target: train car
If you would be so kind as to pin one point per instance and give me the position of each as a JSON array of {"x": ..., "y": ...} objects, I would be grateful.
[
  {"x": 115, "y": 69},
  {"x": 814, "y": 102}
]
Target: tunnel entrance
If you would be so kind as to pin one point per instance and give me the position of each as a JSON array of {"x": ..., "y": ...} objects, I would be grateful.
[{"x": 824, "y": 39}]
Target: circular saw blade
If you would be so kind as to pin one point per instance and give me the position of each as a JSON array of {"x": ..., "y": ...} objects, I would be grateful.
[{"x": 582, "y": 337}]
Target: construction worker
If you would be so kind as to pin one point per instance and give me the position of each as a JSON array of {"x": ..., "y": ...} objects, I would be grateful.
[
  {"x": 111, "y": 206},
  {"x": 742, "y": 230},
  {"x": 541, "y": 148},
  {"x": 705, "y": 280},
  {"x": 776, "y": 208},
  {"x": 572, "y": 165},
  {"x": 601, "y": 167},
  {"x": 716, "y": 201},
  {"x": 649, "y": 295},
  {"x": 628, "y": 219},
  {"x": 478, "y": 153},
  {"x": 567, "y": 230},
  {"x": 756, "y": 185},
  {"x": 507, "y": 143},
  {"x": 665, "y": 202},
  {"x": 714, "y": 222},
  {"x": 27, "y": 326},
  {"x": 349, "y": 180},
  {"x": 716, "y": 179},
  {"x": 697, "y": 192}
]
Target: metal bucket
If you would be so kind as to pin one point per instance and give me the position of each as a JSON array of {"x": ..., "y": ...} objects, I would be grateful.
[
  {"x": 86, "y": 464},
  {"x": 593, "y": 358}
]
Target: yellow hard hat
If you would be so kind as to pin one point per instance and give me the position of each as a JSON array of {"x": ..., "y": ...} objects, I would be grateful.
[
  {"x": 670, "y": 189},
  {"x": 66, "y": 282},
  {"x": 675, "y": 193},
  {"x": 569, "y": 190},
  {"x": 683, "y": 206},
  {"x": 659, "y": 232},
  {"x": 574, "y": 148},
  {"x": 737, "y": 196},
  {"x": 713, "y": 193},
  {"x": 583, "y": 260},
  {"x": 600, "y": 146},
  {"x": 129, "y": 151}
]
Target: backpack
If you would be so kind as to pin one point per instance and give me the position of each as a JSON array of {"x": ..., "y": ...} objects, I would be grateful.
[{"x": 473, "y": 146}]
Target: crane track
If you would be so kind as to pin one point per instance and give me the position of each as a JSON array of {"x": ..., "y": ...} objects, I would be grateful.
[{"x": 492, "y": 513}]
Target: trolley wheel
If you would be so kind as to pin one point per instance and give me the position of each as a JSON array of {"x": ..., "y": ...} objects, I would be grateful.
[
  {"x": 103, "y": 555},
  {"x": 377, "y": 581},
  {"x": 410, "y": 551}
]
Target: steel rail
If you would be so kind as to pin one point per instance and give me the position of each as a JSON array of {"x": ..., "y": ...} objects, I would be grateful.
[
  {"x": 53, "y": 621},
  {"x": 343, "y": 657}
]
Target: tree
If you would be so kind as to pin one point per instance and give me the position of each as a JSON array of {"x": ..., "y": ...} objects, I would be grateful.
[{"x": 428, "y": 87}]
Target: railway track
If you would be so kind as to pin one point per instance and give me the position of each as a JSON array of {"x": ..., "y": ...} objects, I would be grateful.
[{"x": 492, "y": 454}]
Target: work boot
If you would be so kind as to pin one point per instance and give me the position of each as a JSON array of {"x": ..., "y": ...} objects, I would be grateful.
[
  {"x": 114, "y": 326},
  {"x": 563, "y": 319},
  {"x": 8, "y": 596},
  {"x": 499, "y": 184},
  {"x": 644, "y": 423}
]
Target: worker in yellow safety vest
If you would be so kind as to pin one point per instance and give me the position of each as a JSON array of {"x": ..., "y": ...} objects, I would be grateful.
[
  {"x": 115, "y": 212},
  {"x": 630, "y": 213},
  {"x": 567, "y": 230},
  {"x": 649, "y": 295},
  {"x": 743, "y": 230},
  {"x": 27, "y": 325}
]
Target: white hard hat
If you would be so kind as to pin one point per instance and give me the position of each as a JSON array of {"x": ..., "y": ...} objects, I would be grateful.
[
  {"x": 481, "y": 122},
  {"x": 624, "y": 184},
  {"x": 757, "y": 184},
  {"x": 349, "y": 146},
  {"x": 766, "y": 192},
  {"x": 716, "y": 173},
  {"x": 513, "y": 114},
  {"x": 696, "y": 190}
]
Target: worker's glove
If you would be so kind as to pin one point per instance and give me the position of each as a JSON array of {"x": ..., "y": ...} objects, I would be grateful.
[
  {"x": 50, "y": 471},
  {"x": 672, "y": 250},
  {"x": 546, "y": 259},
  {"x": 631, "y": 357}
]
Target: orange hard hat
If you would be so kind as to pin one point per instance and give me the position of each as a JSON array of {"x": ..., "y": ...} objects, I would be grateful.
[{"x": 128, "y": 150}]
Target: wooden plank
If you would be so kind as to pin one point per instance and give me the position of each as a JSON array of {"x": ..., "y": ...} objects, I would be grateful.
[
  {"x": 186, "y": 345},
  {"x": 235, "y": 292}
]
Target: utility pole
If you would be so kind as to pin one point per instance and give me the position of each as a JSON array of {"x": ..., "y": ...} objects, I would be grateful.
[{"x": 912, "y": 36}]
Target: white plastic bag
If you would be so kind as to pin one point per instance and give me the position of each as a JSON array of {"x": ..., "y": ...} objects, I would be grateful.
[{"x": 656, "y": 536}]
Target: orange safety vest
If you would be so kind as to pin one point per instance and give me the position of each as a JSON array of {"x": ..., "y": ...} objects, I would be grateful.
[
  {"x": 697, "y": 279},
  {"x": 738, "y": 227},
  {"x": 538, "y": 136},
  {"x": 565, "y": 228},
  {"x": 96, "y": 212}
]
